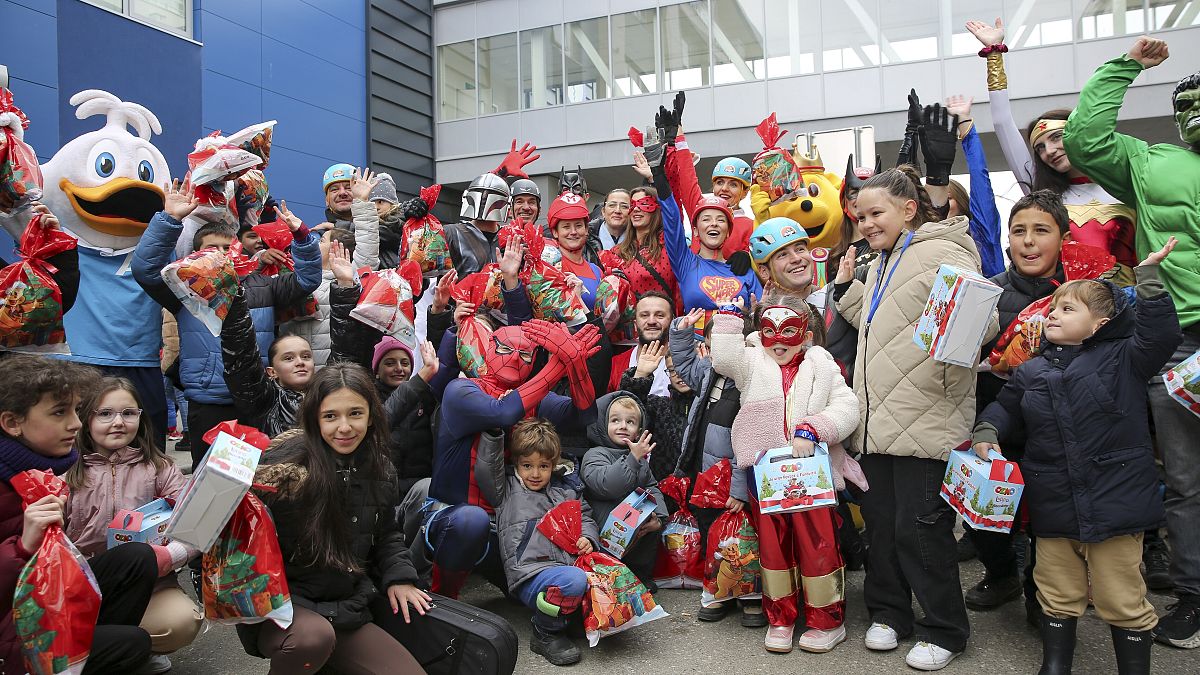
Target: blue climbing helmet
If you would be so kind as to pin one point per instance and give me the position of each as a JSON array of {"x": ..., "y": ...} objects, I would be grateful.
[
  {"x": 732, "y": 167},
  {"x": 772, "y": 235},
  {"x": 336, "y": 174}
]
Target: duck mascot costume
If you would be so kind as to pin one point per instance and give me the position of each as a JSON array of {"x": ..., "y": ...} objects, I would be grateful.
[{"x": 104, "y": 187}]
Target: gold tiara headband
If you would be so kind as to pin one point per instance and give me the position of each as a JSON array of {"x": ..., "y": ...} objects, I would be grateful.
[{"x": 1044, "y": 127}]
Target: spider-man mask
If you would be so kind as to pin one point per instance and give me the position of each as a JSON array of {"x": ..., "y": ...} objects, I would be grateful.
[
  {"x": 783, "y": 326},
  {"x": 509, "y": 357}
]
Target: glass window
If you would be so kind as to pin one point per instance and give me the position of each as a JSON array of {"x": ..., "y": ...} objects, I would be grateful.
[
  {"x": 962, "y": 11},
  {"x": 793, "y": 38},
  {"x": 170, "y": 14},
  {"x": 1173, "y": 14},
  {"x": 909, "y": 31},
  {"x": 685, "y": 45},
  {"x": 456, "y": 80},
  {"x": 851, "y": 34},
  {"x": 498, "y": 74},
  {"x": 541, "y": 67},
  {"x": 737, "y": 41},
  {"x": 1048, "y": 22},
  {"x": 634, "y": 46},
  {"x": 588, "y": 76},
  {"x": 1106, "y": 18}
]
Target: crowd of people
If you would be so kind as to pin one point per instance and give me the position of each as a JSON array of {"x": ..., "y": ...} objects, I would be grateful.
[{"x": 398, "y": 468}]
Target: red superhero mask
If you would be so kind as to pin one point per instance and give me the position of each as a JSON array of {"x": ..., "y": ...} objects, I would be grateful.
[
  {"x": 509, "y": 357},
  {"x": 646, "y": 204},
  {"x": 783, "y": 326}
]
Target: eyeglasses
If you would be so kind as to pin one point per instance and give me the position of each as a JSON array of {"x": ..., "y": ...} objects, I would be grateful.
[
  {"x": 617, "y": 206},
  {"x": 106, "y": 415}
]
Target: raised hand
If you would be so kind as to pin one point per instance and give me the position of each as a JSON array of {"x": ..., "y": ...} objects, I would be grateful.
[
  {"x": 293, "y": 221},
  {"x": 1158, "y": 256},
  {"x": 642, "y": 446},
  {"x": 441, "y": 292},
  {"x": 179, "y": 198},
  {"x": 361, "y": 184},
  {"x": 340, "y": 264},
  {"x": 649, "y": 356},
  {"x": 463, "y": 311},
  {"x": 690, "y": 319},
  {"x": 510, "y": 261},
  {"x": 516, "y": 160},
  {"x": 429, "y": 361},
  {"x": 959, "y": 105},
  {"x": 987, "y": 35},
  {"x": 845, "y": 272},
  {"x": 912, "y": 129},
  {"x": 1149, "y": 51},
  {"x": 939, "y": 141},
  {"x": 641, "y": 166}
]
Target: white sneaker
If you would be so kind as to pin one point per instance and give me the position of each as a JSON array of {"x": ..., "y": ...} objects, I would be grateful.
[
  {"x": 158, "y": 663},
  {"x": 928, "y": 656},
  {"x": 881, "y": 638},
  {"x": 779, "y": 639},
  {"x": 821, "y": 641}
]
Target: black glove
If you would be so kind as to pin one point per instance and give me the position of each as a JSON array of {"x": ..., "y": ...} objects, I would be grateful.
[
  {"x": 739, "y": 263},
  {"x": 939, "y": 139},
  {"x": 908, "y": 147},
  {"x": 415, "y": 209},
  {"x": 668, "y": 121},
  {"x": 653, "y": 147}
]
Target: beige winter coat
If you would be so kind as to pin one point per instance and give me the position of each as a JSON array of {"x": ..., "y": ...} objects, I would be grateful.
[{"x": 910, "y": 405}]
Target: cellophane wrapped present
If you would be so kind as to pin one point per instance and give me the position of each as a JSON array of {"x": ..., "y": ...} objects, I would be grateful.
[
  {"x": 252, "y": 193},
  {"x": 244, "y": 581},
  {"x": 956, "y": 316},
  {"x": 733, "y": 568},
  {"x": 277, "y": 235},
  {"x": 216, "y": 158},
  {"x": 713, "y": 485},
  {"x": 985, "y": 493},
  {"x": 680, "y": 562},
  {"x": 773, "y": 168},
  {"x": 423, "y": 240},
  {"x": 549, "y": 295},
  {"x": 57, "y": 599},
  {"x": 563, "y": 525},
  {"x": 481, "y": 289},
  {"x": 1022, "y": 339},
  {"x": 1183, "y": 383},
  {"x": 20, "y": 174},
  {"x": 387, "y": 301},
  {"x": 31, "y": 316},
  {"x": 205, "y": 283},
  {"x": 615, "y": 300},
  {"x": 615, "y": 600}
]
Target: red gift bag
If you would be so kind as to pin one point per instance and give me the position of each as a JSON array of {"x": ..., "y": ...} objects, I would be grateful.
[
  {"x": 31, "y": 316},
  {"x": 712, "y": 486},
  {"x": 57, "y": 600},
  {"x": 20, "y": 175},
  {"x": 732, "y": 565},
  {"x": 244, "y": 581},
  {"x": 680, "y": 562},
  {"x": 563, "y": 525},
  {"x": 615, "y": 600},
  {"x": 423, "y": 240},
  {"x": 481, "y": 289},
  {"x": 206, "y": 284},
  {"x": 387, "y": 301},
  {"x": 241, "y": 432}
]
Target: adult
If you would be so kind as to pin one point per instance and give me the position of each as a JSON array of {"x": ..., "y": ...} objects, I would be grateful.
[
  {"x": 339, "y": 195},
  {"x": 651, "y": 319},
  {"x": 1161, "y": 182},
  {"x": 980, "y": 203},
  {"x": 391, "y": 217},
  {"x": 472, "y": 240},
  {"x": 614, "y": 215},
  {"x": 526, "y": 200},
  {"x": 568, "y": 222},
  {"x": 641, "y": 249},
  {"x": 1097, "y": 217}
]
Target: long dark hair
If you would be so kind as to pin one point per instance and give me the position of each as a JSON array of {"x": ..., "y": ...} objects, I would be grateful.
[
  {"x": 629, "y": 243},
  {"x": 903, "y": 182},
  {"x": 142, "y": 440},
  {"x": 1045, "y": 177},
  {"x": 327, "y": 542}
]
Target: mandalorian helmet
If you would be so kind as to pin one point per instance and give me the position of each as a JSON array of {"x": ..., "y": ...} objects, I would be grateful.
[{"x": 486, "y": 198}]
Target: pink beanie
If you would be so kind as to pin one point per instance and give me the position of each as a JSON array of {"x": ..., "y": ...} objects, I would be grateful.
[{"x": 387, "y": 344}]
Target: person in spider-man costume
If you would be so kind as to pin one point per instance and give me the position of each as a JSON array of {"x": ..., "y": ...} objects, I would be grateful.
[{"x": 457, "y": 520}]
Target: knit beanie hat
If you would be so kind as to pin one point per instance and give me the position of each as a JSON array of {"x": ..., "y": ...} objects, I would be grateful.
[
  {"x": 385, "y": 189},
  {"x": 387, "y": 344}
]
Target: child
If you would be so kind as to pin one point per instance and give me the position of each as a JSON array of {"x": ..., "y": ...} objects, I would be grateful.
[
  {"x": 1091, "y": 482},
  {"x": 669, "y": 413},
  {"x": 1037, "y": 227},
  {"x": 539, "y": 572},
  {"x": 618, "y": 465},
  {"x": 120, "y": 467},
  {"x": 913, "y": 410},
  {"x": 793, "y": 393},
  {"x": 334, "y": 510},
  {"x": 410, "y": 404},
  {"x": 37, "y": 431}
]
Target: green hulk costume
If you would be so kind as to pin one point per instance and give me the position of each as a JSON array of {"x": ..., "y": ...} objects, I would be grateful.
[{"x": 1161, "y": 181}]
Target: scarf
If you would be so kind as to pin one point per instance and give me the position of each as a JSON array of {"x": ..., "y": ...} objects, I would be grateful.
[{"x": 16, "y": 457}]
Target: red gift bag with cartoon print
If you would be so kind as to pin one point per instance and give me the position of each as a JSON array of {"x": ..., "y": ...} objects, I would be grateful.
[
  {"x": 31, "y": 313},
  {"x": 20, "y": 174},
  {"x": 243, "y": 576},
  {"x": 423, "y": 240},
  {"x": 680, "y": 562},
  {"x": 616, "y": 600}
]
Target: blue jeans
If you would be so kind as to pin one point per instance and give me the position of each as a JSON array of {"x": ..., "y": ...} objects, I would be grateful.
[
  {"x": 176, "y": 407},
  {"x": 460, "y": 538},
  {"x": 1176, "y": 430},
  {"x": 571, "y": 581}
]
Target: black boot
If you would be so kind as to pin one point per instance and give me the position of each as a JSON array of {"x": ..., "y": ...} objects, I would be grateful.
[
  {"x": 1157, "y": 559},
  {"x": 550, "y": 640},
  {"x": 1133, "y": 650},
  {"x": 1058, "y": 645}
]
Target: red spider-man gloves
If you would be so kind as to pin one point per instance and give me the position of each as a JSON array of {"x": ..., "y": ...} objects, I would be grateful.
[
  {"x": 515, "y": 161},
  {"x": 572, "y": 351}
]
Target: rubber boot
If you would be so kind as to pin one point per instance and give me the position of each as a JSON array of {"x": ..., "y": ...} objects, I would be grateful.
[
  {"x": 549, "y": 639},
  {"x": 448, "y": 582},
  {"x": 1133, "y": 650},
  {"x": 1058, "y": 645}
]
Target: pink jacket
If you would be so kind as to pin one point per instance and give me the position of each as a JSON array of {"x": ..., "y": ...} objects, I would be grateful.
[
  {"x": 818, "y": 397},
  {"x": 123, "y": 480}
]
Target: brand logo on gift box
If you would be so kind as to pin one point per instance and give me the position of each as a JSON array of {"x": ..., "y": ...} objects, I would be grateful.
[{"x": 1003, "y": 490}]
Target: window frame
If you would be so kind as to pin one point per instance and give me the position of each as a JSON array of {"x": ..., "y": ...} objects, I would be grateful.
[{"x": 188, "y": 17}]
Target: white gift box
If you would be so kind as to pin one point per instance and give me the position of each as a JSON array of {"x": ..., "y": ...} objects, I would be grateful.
[
  {"x": 960, "y": 307},
  {"x": 214, "y": 491}
]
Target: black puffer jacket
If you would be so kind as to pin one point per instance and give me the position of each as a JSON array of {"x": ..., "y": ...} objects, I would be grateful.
[
  {"x": 377, "y": 541},
  {"x": 1089, "y": 466},
  {"x": 261, "y": 402}
]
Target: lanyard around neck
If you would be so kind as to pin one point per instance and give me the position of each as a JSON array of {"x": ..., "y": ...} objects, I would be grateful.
[{"x": 881, "y": 284}]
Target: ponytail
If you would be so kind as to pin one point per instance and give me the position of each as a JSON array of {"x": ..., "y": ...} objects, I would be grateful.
[{"x": 904, "y": 183}]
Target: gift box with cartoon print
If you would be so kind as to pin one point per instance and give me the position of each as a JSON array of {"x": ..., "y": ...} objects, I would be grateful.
[
  {"x": 147, "y": 524},
  {"x": 787, "y": 484},
  {"x": 1183, "y": 383},
  {"x": 985, "y": 493},
  {"x": 956, "y": 316}
]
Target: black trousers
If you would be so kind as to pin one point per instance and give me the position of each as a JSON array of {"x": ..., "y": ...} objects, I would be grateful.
[
  {"x": 910, "y": 530},
  {"x": 200, "y": 418},
  {"x": 149, "y": 385},
  {"x": 126, "y": 575}
]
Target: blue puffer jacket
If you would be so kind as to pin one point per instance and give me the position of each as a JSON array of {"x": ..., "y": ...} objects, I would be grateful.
[
  {"x": 1089, "y": 465},
  {"x": 200, "y": 363}
]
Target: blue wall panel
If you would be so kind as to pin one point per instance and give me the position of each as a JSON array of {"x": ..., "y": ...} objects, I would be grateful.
[
  {"x": 247, "y": 13},
  {"x": 147, "y": 66},
  {"x": 31, "y": 54}
]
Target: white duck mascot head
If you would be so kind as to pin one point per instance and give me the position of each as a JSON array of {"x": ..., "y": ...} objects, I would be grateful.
[{"x": 105, "y": 185}]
